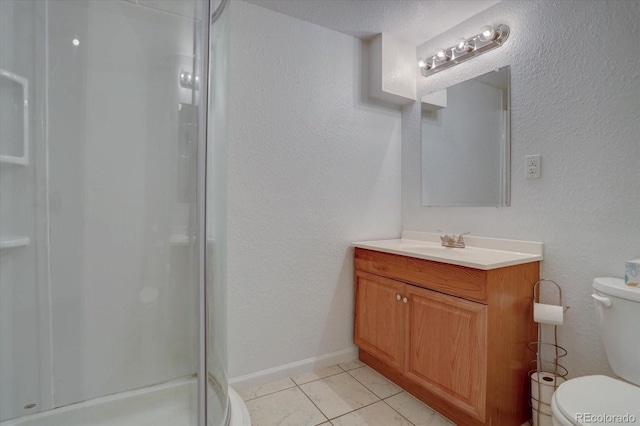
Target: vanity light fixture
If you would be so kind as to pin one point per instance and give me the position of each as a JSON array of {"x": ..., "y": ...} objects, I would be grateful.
[
  {"x": 188, "y": 81},
  {"x": 464, "y": 49}
]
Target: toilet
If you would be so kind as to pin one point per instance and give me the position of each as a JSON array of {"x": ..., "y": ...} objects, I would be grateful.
[{"x": 599, "y": 399}]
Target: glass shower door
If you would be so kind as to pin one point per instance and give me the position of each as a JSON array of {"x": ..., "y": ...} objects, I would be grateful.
[{"x": 99, "y": 124}]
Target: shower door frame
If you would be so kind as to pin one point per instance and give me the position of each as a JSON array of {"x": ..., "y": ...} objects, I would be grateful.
[{"x": 201, "y": 210}]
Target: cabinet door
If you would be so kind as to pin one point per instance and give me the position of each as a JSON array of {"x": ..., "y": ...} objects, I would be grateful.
[
  {"x": 379, "y": 317},
  {"x": 446, "y": 348}
]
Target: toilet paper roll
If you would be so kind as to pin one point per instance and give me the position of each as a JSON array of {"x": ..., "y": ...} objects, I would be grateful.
[
  {"x": 542, "y": 387},
  {"x": 548, "y": 314}
]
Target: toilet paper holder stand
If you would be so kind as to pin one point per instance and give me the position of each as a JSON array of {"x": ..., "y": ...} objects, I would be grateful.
[{"x": 547, "y": 361}]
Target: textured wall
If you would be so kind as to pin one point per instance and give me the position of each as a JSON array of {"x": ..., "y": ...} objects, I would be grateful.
[
  {"x": 576, "y": 101},
  {"x": 313, "y": 166}
]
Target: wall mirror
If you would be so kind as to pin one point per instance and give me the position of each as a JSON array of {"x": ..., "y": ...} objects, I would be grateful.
[{"x": 466, "y": 146}]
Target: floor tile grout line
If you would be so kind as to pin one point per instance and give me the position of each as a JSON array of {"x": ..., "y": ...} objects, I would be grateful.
[
  {"x": 371, "y": 390},
  {"x": 397, "y": 393},
  {"x": 329, "y": 420},
  {"x": 378, "y": 398},
  {"x": 400, "y": 414},
  {"x": 270, "y": 393},
  {"x": 365, "y": 386},
  {"x": 435, "y": 413},
  {"x": 314, "y": 404},
  {"x": 346, "y": 371},
  {"x": 354, "y": 368},
  {"x": 300, "y": 384},
  {"x": 320, "y": 378},
  {"x": 343, "y": 414},
  {"x": 388, "y": 380},
  {"x": 353, "y": 411}
]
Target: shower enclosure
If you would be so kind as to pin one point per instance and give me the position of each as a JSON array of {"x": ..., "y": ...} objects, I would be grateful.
[{"x": 112, "y": 201}]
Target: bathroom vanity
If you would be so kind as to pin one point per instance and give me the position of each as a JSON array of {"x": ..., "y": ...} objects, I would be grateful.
[{"x": 450, "y": 325}]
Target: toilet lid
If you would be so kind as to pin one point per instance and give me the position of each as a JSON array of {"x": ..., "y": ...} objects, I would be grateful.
[{"x": 600, "y": 398}]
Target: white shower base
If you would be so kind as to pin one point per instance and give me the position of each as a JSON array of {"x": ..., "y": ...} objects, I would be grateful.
[{"x": 168, "y": 404}]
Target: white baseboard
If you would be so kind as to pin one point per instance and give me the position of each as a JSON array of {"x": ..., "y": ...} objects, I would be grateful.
[{"x": 295, "y": 368}]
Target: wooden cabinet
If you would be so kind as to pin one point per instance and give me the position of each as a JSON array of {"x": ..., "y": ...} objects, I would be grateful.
[
  {"x": 446, "y": 347},
  {"x": 380, "y": 318},
  {"x": 454, "y": 337}
]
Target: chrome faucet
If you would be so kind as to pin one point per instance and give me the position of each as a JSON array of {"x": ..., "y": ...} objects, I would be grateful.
[{"x": 450, "y": 240}]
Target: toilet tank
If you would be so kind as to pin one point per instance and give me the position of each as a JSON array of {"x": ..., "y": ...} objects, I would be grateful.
[{"x": 618, "y": 310}]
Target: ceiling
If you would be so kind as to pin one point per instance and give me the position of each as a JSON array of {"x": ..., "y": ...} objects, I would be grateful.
[{"x": 413, "y": 21}]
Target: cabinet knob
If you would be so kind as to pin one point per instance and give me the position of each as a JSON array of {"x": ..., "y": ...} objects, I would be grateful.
[
  {"x": 405, "y": 300},
  {"x": 398, "y": 297}
]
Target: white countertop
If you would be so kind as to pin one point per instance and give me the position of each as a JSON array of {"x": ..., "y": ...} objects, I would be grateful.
[{"x": 479, "y": 253}]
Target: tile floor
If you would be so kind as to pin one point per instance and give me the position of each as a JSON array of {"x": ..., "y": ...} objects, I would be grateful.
[{"x": 348, "y": 394}]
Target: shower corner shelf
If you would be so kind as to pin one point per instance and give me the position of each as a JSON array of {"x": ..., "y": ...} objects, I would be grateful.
[
  {"x": 14, "y": 242},
  {"x": 181, "y": 240},
  {"x": 7, "y": 159},
  {"x": 22, "y": 160}
]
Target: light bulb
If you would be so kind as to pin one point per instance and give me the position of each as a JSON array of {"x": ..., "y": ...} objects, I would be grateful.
[
  {"x": 488, "y": 33},
  {"x": 425, "y": 64},
  {"x": 462, "y": 46},
  {"x": 442, "y": 55}
]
